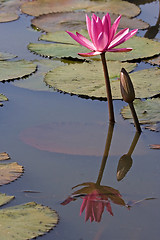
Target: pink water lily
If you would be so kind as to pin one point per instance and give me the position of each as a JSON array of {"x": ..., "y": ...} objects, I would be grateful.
[{"x": 103, "y": 36}]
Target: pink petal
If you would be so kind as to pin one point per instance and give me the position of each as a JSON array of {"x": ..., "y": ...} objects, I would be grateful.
[
  {"x": 102, "y": 41},
  {"x": 124, "y": 38},
  {"x": 89, "y": 54},
  {"x": 114, "y": 28},
  {"x": 94, "y": 32},
  {"x": 88, "y": 23},
  {"x": 86, "y": 41},
  {"x": 79, "y": 40},
  {"x": 119, "y": 36},
  {"x": 106, "y": 21},
  {"x": 109, "y": 209},
  {"x": 120, "y": 50}
]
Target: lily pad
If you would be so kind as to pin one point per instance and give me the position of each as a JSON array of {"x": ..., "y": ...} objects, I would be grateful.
[
  {"x": 76, "y": 21},
  {"x": 15, "y": 70},
  {"x": 26, "y": 221},
  {"x": 86, "y": 79},
  {"x": 39, "y": 7},
  {"x": 6, "y": 56},
  {"x": 115, "y": 6},
  {"x": 142, "y": 48},
  {"x": 10, "y": 10},
  {"x": 5, "y": 199},
  {"x": 35, "y": 81},
  {"x": 147, "y": 111},
  {"x": 4, "y": 156},
  {"x": 10, "y": 172},
  {"x": 2, "y": 98}
]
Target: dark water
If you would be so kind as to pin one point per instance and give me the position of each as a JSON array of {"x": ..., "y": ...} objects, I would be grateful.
[{"x": 53, "y": 174}]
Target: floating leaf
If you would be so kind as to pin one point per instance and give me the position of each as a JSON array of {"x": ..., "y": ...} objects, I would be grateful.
[
  {"x": 86, "y": 79},
  {"x": 142, "y": 48},
  {"x": 154, "y": 146},
  {"x": 10, "y": 10},
  {"x": 4, "y": 156},
  {"x": 147, "y": 111},
  {"x": 6, "y": 56},
  {"x": 35, "y": 82},
  {"x": 2, "y": 98},
  {"x": 116, "y": 6},
  {"x": 10, "y": 172},
  {"x": 72, "y": 21},
  {"x": 39, "y": 7},
  {"x": 5, "y": 199},
  {"x": 15, "y": 70},
  {"x": 26, "y": 221}
]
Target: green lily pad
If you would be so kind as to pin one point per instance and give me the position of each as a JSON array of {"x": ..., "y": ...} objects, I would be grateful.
[
  {"x": 28, "y": 221},
  {"x": 15, "y": 70},
  {"x": 39, "y": 7},
  {"x": 142, "y": 48},
  {"x": 72, "y": 21},
  {"x": 4, "y": 156},
  {"x": 6, "y": 56},
  {"x": 86, "y": 79},
  {"x": 4, "y": 199},
  {"x": 2, "y": 98},
  {"x": 35, "y": 81},
  {"x": 147, "y": 111},
  {"x": 10, "y": 172}
]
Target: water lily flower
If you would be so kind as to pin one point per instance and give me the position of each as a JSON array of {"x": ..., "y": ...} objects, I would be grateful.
[
  {"x": 95, "y": 199},
  {"x": 103, "y": 36}
]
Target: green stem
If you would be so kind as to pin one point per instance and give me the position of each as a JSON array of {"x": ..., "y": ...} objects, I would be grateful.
[
  {"x": 106, "y": 152},
  {"x": 135, "y": 118},
  {"x": 108, "y": 89}
]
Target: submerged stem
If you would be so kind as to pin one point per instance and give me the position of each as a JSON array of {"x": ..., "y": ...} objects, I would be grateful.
[{"x": 108, "y": 89}]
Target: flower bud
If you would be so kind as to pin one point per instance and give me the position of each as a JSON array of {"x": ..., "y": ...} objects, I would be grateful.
[{"x": 127, "y": 89}]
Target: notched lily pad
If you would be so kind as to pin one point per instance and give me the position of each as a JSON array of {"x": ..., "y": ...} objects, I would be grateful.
[
  {"x": 10, "y": 172},
  {"x": 147, "y": 111},
  {"x": 28, "y": 221},
  {"x": 39, "y": 7},
  {"x": 142, "y": 48},
  {"x": 15, "y": 70},
  {"x": 75, "y": 21},
  {"x": 85, "y": 79},
  {"x": 4, "y": 156},
  {"x": 4, "y": 199}
]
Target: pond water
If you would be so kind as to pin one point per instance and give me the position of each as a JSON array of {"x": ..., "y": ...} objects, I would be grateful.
[{"x": 75, "y": 130}]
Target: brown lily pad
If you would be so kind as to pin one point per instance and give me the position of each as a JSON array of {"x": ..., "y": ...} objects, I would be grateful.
[
  {"x": 72, "y": 21},
  {"x": 39, "y": 7},
  {"x": 4, "y": 156},
  {"x": 10, "y": 172}
]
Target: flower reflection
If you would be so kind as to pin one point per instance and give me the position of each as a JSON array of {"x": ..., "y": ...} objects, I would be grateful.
[{"x": 96, "y": 198}]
